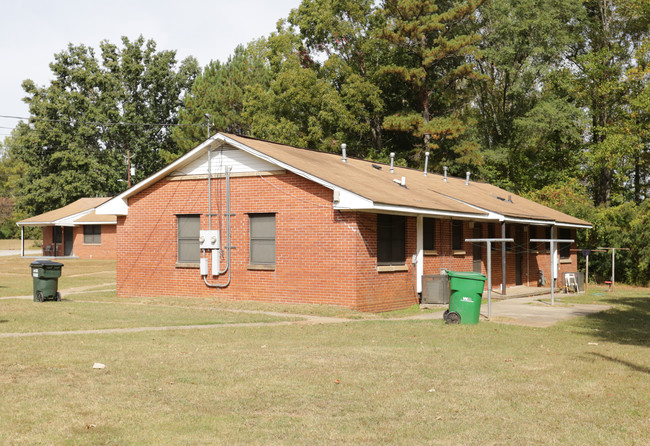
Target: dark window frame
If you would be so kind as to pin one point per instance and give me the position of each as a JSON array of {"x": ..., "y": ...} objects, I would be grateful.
[
  {"x": 391, "y": 240},
  {"x": 429, "y": 234},
  {"x": 187, "y": 240},
  {"x": 457, "y": 235},
  {"x": 57, "y": 235},
  {"x": 564, "y": 248},
  {"x": 257, "y": 239},
  {"x": 92, "y": 234}
]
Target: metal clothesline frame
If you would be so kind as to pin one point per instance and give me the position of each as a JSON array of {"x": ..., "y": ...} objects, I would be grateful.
[{"x": 489, "y": 242}]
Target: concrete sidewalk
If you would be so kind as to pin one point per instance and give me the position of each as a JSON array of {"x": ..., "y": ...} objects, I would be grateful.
[{"x": 531, "y": 311}]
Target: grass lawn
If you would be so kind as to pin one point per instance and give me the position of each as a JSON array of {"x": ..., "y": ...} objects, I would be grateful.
[
  {"x": 13, "y": 244},
  {"x": 372, "y": 380}
]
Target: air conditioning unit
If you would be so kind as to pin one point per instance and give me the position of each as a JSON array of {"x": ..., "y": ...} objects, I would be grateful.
[{"x": 435, "y": 289}]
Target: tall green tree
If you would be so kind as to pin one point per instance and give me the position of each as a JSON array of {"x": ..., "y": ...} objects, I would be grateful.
[
  {"x": 596, "y": 79},
  {"x": 530, "y": 134},
  {"x": 300, "y": 107},
  {"x": 433, "y": 41},
  {"x": 97, "y": 117},
  {"x": 342, "y": 34},
  {"x": 219, "y": 91}
]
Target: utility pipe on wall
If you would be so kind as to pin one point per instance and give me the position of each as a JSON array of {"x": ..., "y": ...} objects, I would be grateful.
[{"x": 228, "y": 232}]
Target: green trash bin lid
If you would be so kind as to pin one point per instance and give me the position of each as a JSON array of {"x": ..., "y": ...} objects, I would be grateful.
[
  {"x": 466, "y": 275},
  {"x": 46, "y": 264}
]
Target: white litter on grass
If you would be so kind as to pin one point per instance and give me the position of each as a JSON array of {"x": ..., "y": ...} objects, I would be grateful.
[
  {"x": 592, "y": 343},
  {"x": 99, "y": 365}
]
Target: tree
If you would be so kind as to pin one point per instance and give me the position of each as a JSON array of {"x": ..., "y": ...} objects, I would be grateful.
[
  {"x": 219, "y": 92},
  {"x": 95, "y": 119},
  {"x": 432, "y": 40},
  {"x": 299, "y": 107},
  {"x": 342, "y": 33},
  {"x": 600, "y": 60},
  {"x": 530, "y": 134}
]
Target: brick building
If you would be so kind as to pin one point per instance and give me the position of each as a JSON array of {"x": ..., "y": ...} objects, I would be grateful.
[
  {"x": 311, "y": 227},
  {"x": 77, "y": 231}
]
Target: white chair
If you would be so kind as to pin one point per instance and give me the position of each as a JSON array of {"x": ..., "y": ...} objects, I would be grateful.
[{"x": 571, "y": 282}]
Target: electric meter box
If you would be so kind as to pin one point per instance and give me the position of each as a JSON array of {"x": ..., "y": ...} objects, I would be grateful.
[{"x": 209, "y": 239}]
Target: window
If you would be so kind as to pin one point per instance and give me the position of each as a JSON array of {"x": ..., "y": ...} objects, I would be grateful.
[
  {"x": 391, "y": 239},
  {"x": 262, "y": 239},
  {"x": 93, "y": 234},
  {"x": 456, "y": 235},
  {"x": 565, "y": 248},
  {"x": 188, "y": 238},
  {"x": 429, "y": 230},
  {"x": 57, "y": 234},
  {"x": 547, "y": 235},
  {"x": 491, "y": 234}
]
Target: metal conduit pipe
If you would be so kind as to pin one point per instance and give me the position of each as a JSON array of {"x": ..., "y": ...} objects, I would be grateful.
[{"x": 205, "y": 278}]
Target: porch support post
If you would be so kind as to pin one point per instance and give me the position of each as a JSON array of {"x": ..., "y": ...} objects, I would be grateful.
[
  {"x": 503, "y": 259},
  {"x": 419, "y": 252},
  {"x": 22, "y": 241}
]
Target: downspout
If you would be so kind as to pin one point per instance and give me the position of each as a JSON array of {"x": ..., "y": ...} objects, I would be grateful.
[{"x": 228, "y": 231}]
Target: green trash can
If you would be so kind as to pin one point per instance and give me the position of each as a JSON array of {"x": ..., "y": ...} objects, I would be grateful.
[
  {"x": 465, "y": 299},
  {"x": 45, "y": 275}
]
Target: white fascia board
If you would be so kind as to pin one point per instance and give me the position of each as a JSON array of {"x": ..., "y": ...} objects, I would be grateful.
[
  {"x": 70, "y": 219},
  {"x": 36, "y": 223},
  {"x": 573, "y": 225},
  {"x": 528, "y": 221},
  {"x": 425, "y": 212},
  {"x": 119, "y": 205},
  {"x": 348, "y": 201},
  {"x": 88, "y": 223}
]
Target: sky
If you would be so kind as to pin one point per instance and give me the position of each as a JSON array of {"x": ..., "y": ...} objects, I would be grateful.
[{"x": 33, "y": 31}]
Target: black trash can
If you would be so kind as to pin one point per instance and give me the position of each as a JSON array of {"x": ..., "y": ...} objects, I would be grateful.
[{"x": 45, "y": 275}]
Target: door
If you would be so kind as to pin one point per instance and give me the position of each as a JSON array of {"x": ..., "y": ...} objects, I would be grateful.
[
  {"x": 67, "y": 241},
  {"x": 477, "y": 247}
]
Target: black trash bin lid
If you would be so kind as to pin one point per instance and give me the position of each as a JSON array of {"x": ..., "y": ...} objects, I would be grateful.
[{"x": 45, "y": 264}]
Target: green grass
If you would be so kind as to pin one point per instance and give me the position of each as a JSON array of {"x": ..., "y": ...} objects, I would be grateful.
[
  {"x": 376, "y": 379},
  {"x": 16, "y": 279},
  {"x": 13, "y": 244}
]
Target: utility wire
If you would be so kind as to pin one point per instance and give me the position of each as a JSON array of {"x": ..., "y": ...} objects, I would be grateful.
[{"x": 74, "y": 121}]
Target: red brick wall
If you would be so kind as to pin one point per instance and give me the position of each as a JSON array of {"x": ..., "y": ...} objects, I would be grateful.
[
  {"x": 323, "y": 256},
  {"x": 106, "y": 250},
  {"x": 530, "y": 262}
]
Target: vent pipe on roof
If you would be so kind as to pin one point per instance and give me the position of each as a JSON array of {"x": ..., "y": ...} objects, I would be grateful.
[
  {"x": 345, "y": 158},
  {"x": 426, "y": 163},
  {"x": 402, "y": 182},
  {"x": 467, "y": 178},
  {"x": 445, "y": 169},
  {"x": 392, "y": 159}
]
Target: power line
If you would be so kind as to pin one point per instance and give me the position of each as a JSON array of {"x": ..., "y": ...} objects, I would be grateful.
[{"x": 74, "y": 121}]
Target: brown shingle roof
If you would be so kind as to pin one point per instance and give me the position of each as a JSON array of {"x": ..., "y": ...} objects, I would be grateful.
[
  {"x": 81, "y": 205},
  {"x": 429, "y": 192}
]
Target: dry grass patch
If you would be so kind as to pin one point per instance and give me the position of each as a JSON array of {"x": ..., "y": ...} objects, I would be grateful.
[
  {"x": 14, "y": 245},
  {"x": 361, "y": 382}
]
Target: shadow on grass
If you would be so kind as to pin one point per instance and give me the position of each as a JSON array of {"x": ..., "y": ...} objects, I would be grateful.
[
  {"x": 626, "y": 323},
  {"x": 631, "y": 365}
]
